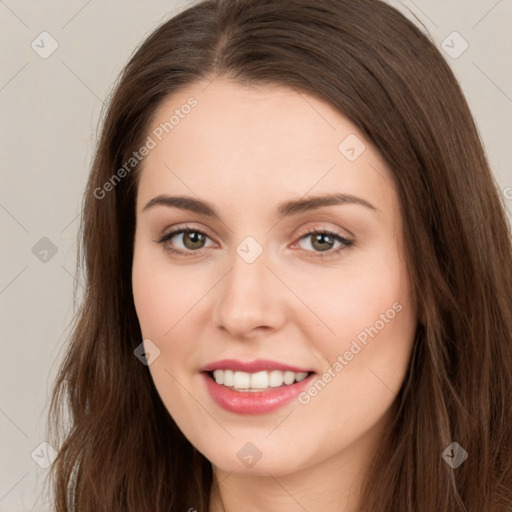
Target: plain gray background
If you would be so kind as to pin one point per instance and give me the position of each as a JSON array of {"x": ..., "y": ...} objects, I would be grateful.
[{"x": 51, "y": 108}]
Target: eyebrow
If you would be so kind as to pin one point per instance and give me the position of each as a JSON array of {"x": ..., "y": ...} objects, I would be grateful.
[{"x": 285, "y": 209}]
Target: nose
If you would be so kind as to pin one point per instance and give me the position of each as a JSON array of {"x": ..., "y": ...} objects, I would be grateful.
[{"x": 250, "y": 298}]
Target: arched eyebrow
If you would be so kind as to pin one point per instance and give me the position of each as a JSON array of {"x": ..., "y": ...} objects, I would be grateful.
[{"x": 284, "y": 209}]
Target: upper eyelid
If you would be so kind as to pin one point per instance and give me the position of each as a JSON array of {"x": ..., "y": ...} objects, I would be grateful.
[
  {"x": 180, "y": 229},
  {"x": 305, "y": 232}
]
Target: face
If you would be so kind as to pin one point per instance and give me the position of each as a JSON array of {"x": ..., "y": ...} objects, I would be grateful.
[{"x": 312, "y": 293}]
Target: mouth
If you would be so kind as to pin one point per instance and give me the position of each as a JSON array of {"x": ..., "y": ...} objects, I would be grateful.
[{"x": 255, "y": 393}]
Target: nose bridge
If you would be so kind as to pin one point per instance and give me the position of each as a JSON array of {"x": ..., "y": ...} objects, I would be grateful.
[{"x": 248, "y": 296}]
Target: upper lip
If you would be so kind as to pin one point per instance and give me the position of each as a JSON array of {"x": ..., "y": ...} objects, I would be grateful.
[{"x": 257, "y": 365}]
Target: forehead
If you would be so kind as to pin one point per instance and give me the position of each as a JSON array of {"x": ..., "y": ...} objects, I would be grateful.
[{"x": 257, "y": 141}]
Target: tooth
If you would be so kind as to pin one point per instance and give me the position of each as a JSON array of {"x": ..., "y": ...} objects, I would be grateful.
[
  {"x": 259, "y": 380},
  {"x": 289, "y": 378},
  {"x": 228, "y": 378},
  {"x": 256, "y": 381},
  {"x": 241, "y": 380},
  {"x": 275, "y": 378}
]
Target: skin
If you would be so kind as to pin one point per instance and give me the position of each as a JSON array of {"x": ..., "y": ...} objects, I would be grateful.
[{"x": 244, "y": 150}]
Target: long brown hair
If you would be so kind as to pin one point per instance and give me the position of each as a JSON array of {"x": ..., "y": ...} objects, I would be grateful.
[{"x": 119, "y": 449}]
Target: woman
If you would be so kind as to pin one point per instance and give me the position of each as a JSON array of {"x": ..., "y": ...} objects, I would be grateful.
[{"x": 220, "y": 360}]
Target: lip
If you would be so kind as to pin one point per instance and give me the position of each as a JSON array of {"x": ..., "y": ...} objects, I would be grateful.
[
  {"x": 254, "y": 366},
  {"x": 258, "y": 402}
]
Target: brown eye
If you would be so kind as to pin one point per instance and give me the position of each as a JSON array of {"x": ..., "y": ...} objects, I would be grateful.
[
  {"x": 187, "y": 240},
  {"x": 323, "y": 243},
  {"x": 193, "y": 240}
]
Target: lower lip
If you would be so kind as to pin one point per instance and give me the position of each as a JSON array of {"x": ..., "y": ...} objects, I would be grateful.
[{"x": 258, "y": 402}]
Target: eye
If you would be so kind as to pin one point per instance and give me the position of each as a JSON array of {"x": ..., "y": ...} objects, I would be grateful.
[
  {"x": 194, "y": 239},
  {"x": 323, "y": 240}
]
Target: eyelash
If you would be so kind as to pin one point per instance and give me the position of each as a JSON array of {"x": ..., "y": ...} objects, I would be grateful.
[{"x": 333, "y": 252}]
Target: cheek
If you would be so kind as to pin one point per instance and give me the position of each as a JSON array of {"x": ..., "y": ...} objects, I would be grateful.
[
  {"x": 152, "y": 300},
  {"x": 161, "y": 301},
  {"x": 346, "y": 300},
  {"x": 161, "y": 295},
  {"x": 368, "y": 326}
]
